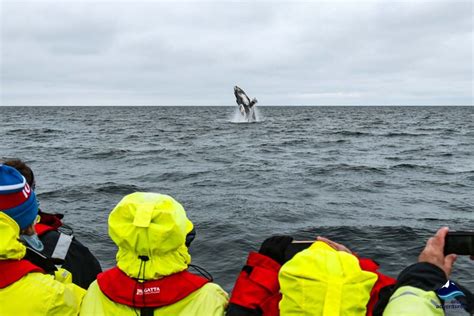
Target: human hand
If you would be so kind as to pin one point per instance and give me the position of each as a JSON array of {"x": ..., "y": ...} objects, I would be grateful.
[
  {"x": 275, "y": 246},
  {"x": 333, "y": 244},
  {"x": 434, "y": 252}
]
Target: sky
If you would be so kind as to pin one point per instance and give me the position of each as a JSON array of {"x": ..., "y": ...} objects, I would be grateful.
[{"x": 372, "y": 52}]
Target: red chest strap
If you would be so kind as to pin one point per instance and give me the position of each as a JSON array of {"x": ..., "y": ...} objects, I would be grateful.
[
  {"x": 120, "y": 288},
  {"x": 13, "y": 270}
]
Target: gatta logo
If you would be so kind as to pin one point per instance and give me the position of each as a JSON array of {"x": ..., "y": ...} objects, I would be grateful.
[{"x": 148, "y": 290}]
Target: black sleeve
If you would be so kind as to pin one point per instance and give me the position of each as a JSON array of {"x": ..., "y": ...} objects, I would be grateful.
[
  {"x": 84, "y": 266},
  {"x": 422, "y": 275},
  {"x": 238, "y": 310}
]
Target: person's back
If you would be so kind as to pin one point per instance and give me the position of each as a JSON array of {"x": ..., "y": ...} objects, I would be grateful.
[
  {"x": 25, "y": 286},
  {"x": 151, "y": 276},
  {"x": 78, "y": 259}
]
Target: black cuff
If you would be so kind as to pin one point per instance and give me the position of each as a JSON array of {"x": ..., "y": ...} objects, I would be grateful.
[
  {"x": 238, "y": 310},
  {"x": 423, "y": 275},
  {"x": 468, "y": 300}
]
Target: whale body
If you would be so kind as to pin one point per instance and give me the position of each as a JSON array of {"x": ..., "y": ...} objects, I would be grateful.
[{"x": 245, "y": 104}]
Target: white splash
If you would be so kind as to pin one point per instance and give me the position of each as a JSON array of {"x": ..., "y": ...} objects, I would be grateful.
[{"x": 237, "y": 117}]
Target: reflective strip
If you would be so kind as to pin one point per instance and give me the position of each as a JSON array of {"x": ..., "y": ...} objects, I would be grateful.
[
  {"x": 403, "y": 294},
  {"x": 62, "y": 246}
]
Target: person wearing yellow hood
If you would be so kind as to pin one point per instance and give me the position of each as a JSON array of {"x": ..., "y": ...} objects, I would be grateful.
[
  {"x": 29, "y": 284},
  {"x": 321, "y": 280},
  {"x": 151, "y": 276}
]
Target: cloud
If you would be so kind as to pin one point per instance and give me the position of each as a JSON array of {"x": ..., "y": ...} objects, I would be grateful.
[{"x": 194, "y": 52}]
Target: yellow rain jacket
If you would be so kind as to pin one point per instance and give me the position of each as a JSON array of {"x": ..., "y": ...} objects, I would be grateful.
[
  {"x": 322, "y": 281},
  {"x": 153, "y": 225},
  {"x": 35, "y": 293}
]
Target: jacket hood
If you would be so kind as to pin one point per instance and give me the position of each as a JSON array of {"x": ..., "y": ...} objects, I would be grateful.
[
  {"x": 324, "y": 281},
  {"x": 152, "y": 225},
  {"x": 10, "y": 247}
]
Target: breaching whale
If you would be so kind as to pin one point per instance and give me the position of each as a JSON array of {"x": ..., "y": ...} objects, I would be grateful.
[{"x": 245, "y": 104}]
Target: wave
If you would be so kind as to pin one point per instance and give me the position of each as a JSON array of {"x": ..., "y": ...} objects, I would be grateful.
[
  {"x": 106, "y": 154},
  {"x": 393, "y": 158},
  {"x": 293, "y": 143},
  {"x": 351, "y": 133},
  {"x": 180, "y": 175},
  {"x": 33, "y": 132},
  {"x": 358, "y": 234},
  {"x": 411, "y": 166},
  {"x": 330, "y": 169},
  {"x": 116, "y": 188},
  {"x": 86, "y": 191},
  {"x": 403, "y": 134}
]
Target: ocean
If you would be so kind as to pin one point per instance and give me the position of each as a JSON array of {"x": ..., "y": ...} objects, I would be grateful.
[{"x": 380, "y": 180}]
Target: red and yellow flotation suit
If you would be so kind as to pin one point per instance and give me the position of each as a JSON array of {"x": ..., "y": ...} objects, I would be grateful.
[{"x": 122, "y": 289}]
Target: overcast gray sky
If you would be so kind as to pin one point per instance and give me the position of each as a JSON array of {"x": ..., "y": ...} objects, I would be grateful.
[{"x": 194, "y": 52}]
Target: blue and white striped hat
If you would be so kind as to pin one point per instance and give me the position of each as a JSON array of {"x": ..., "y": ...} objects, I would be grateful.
[{"x": 17, "y": 200}]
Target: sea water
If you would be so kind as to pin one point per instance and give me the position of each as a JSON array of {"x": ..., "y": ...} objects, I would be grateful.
[{"x": 380, "y": 180}]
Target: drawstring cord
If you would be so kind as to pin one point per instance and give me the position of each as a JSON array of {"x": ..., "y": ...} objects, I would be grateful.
[
  {"x": 141, "y": 277},
  {"x": 135, "y": 289},
  {"x": 202, "y": 272},
  {"x": 143, "y": 259}
]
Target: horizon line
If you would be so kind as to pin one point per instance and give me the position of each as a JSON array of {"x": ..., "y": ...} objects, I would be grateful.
[{"x": 225, "y": 105}]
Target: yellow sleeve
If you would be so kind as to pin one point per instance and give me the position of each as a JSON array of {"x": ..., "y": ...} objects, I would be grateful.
[
  {"x": 66, "y": 300},
  {"x": 412, "y": 301}
]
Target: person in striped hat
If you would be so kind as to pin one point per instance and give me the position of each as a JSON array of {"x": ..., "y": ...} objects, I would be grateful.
[
  {"x": 60, "y": 243},
  {"x": 19, "y": 202},
  {"x": 24, "y": 272}
]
